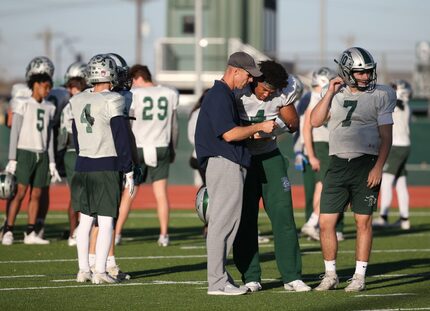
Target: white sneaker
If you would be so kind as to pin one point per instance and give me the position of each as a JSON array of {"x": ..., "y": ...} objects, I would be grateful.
[
  {"x": 404, "y": 224},
  {"x": 263, "y": 239},
  {"x": 83, "y": 276},
  {"x": 117, "y": 239},
  {"x": 311, "y": 232},
  {"x": 41, "y": 233},
  {"x": 229, "y": 290},
  {"x": 71, "y": 241},
  {"x": 254, "y": 286},
  {"x": 163, "y": 240},
  {"x": 340, "y": 236},
  {"x": 329, "y": 281},
  {"x": 117, "y": 274},
  {"x": 33, "y": 238},
  {"x": 356, "y": 284},
  {"x": 297, "y": 286},
  {"x": 379, "y": 222},
  {"x": 100, "y": 278},
  {"x": 7, "y": 238}
]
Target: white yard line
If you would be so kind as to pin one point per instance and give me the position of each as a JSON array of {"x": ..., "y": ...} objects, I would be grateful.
[
  {"x": 386, "y": 295},
  {"x": 396, "y": 309}
]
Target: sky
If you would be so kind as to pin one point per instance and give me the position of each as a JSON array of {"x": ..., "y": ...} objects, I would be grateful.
[{"x": 390, "y": 29}]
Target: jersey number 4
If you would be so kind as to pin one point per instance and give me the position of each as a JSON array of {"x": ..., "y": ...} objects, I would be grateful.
[
  {"x": 351, "y": 104},
  {"x": 162, "y": 104},
  {"x": 87, "y": 119}
]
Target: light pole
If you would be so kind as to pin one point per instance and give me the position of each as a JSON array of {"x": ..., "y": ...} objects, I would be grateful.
[{"x": 198, "y": 33}]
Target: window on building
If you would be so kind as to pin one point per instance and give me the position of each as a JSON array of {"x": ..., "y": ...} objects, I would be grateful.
[{"x": 188, "y": 24}]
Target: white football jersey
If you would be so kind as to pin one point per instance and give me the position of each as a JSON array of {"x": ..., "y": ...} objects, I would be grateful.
[
  {"x": 355, "y": 117},
  {"x": 65, "y": 126},
  {"x": 36, "y": 122},
  {"x": 92, "y": 113},
  {"x": 401, "y": 120},
  {"x": 252, "y": 110},
  {"x": 319, "y": 134},
  {"x": 152, "y": 108}
]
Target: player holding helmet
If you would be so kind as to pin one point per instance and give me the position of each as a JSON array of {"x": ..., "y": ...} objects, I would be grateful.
[{"x": 359, "y": 114}]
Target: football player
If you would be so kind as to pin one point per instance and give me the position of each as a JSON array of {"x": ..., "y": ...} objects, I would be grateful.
[
  {"x": 103, "y": 146},
  {"x": 267, "y": 178},
  {"x": 121, "y": 85},
  {"x": 75, "y": 83},
  {"x": 156, "y": 132},
  {"x": 395, "y": 167},
  {"x": 359, "y": 114},
  {"x": 31, "y": 147}
]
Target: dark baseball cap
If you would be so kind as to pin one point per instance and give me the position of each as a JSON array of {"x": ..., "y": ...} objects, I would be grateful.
[{"x": 245, "y": 61}]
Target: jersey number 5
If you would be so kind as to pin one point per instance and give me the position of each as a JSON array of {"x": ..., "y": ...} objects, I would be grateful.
[
  {"x": 352, "y": 104},
  {"x": 40, "y": 123},
  {"x": 162, "y": 104}
]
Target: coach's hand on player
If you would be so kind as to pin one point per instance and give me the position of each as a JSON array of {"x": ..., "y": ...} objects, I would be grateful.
[
  {"x": 129, "y": 182},
  {"x": 11, "y": 167},
  {"x": 55, "y": 176}
]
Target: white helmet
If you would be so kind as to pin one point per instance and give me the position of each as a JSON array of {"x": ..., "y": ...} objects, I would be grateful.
[
  {"x": 76, "y": 70},
  {"x": 101, "y": 68},
  {"x": 7, "y": 186},
  {"x": 202, "y": 203},
  {"x": 322, "y": 76},
  {"x": 353, "y": 60},
  {"x": 403, "y": 89},
  {"x": 123, "y": 71},
  {"x": 39, "y": 65}
]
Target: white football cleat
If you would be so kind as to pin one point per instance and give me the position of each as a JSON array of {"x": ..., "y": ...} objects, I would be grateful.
[
  {"x": 379, "y": 222},
  {"x": 163, "y": 240},
  {"x": 83, "y": 276},
  {"x": 229, "y": 290},
  {"x": 254, "y": 286},
  {"x": 117, "y": 274},
  {"x": 329, "y": 281},
  {"x": 356, "y": 284},
  {"x": 297, "y": 286},
  {"x": 7, "y": 238},
  {"x": 100, "y": 278},
  {"x": 33, "y": 238}
]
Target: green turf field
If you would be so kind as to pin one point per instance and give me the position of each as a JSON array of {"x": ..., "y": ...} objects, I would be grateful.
[{"x": 174, "y": 278}]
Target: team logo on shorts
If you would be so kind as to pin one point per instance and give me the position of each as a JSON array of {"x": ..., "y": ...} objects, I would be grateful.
[
  {"x": 286, "y": 184},
  {"x": 371, "y": 200}
]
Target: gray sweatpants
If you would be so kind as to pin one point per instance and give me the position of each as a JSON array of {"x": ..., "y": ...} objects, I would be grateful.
[{"x": 224, "y": 181}]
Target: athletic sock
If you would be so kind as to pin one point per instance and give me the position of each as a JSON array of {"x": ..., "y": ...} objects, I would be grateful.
[
  {"x": 403, "y": 197},
  {"x": 386, "y": 193},
  {"x": 8, "y": 228},
  {"x": 330, "y": 265},
  {"x": 30, "y": 228},
  {"x": 92, "y": 260},
  {"x": 40, "y": 223},
  {"x": 83, "y": 241},
  {"x": 110, "y": 262},
  {"x": 104, "y": 240},
  {"x": 360, "y": 267}
]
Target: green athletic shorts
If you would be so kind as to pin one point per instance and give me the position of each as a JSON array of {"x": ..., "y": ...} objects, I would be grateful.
[
  {"x": 396, "y": 162},
  {"x": 321, "y": 152},
  {"x": 69, "y": 164},
  {"x": 346, "y": 182},
  {"x": 161, "y": 171},
  {"x": 96, "y": 193},
  {"x": 32, "y": 168}
]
